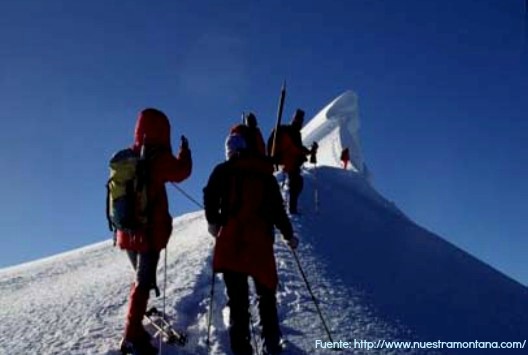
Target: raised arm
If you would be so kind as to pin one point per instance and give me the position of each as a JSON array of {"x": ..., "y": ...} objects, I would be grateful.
[{"x": 176, "y": 168}]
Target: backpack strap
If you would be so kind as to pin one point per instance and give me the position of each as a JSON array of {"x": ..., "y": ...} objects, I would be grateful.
[{"x": 110, "y": 224}]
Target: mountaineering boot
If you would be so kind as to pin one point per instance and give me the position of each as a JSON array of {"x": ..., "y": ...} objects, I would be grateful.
[
  {"x": 238, "y": 302},
  {"x": 241, "y": 347},
  {"x": 136, "y": 339},
  {"x": 274, "y": 348},
  {"x": 239, "y": 335},
  {"x": 269, "y": 320},
  {"x": 138, "y": 348}
]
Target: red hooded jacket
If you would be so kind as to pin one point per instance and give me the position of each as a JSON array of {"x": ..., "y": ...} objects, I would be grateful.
[{"x": 153, "y": 129}]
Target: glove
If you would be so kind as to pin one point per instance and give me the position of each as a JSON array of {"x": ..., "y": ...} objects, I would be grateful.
[
  {"x": 213, "y": 229},
  {"x": 315, "y": 146},
  {"x": 293, "y": 242},
  {"x": 184, "y": 144}
]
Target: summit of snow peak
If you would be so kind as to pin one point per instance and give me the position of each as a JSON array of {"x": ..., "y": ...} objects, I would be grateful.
[{"x": 335, "y": 128}]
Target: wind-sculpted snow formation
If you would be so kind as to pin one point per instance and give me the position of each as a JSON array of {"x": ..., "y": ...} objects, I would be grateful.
[{"x": 334, "y": 128}]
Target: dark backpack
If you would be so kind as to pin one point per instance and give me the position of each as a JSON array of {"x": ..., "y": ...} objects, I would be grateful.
[{"x": 126, "y": 199}]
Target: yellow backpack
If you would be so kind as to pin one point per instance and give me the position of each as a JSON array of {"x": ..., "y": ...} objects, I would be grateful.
[{"x": 126, "y": 198}]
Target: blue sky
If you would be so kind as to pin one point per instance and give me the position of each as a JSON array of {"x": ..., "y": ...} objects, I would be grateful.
[{"x": 442, "y": 87}]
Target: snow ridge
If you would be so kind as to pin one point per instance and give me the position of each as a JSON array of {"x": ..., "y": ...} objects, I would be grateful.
[{"x": 375, "y": 273}]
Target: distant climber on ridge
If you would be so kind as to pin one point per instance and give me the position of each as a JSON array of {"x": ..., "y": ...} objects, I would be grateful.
[
  {"x": 290, "y": 154},
  {"x": 345, "y": 157}
]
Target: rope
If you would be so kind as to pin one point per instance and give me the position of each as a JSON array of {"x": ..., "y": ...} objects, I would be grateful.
[
  {"x": 164, "y": 292},
  {"x": 189, "y": 197}
]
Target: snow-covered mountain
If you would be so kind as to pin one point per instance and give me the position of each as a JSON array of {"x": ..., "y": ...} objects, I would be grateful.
[
  {"x": 334, "y": 128},
  {"x": 377, "y": 275}
]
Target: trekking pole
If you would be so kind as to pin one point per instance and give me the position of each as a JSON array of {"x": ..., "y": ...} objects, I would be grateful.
[
  {"x": 311, "y": 294},
  {"x": 189, "y": 197},
  {"x": 164, "y": 293},
  {"x": 210, "y": 315}
]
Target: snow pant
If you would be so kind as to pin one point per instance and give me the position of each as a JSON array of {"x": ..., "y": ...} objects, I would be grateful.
[
  {"x": 145, "y": 266},
  {"x": 296, "y": 183},
  {"x": 239, "y": 316}
]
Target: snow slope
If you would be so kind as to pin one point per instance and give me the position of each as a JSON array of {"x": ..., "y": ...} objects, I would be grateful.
[
  {"x": 376, "y": 274},
  {"x": 75, "y": 303},
  {"x": 410, "y": 274}
]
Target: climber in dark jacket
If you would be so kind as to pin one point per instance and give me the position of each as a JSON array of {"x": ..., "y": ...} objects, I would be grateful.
[{"x": 243, "y": 204}]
